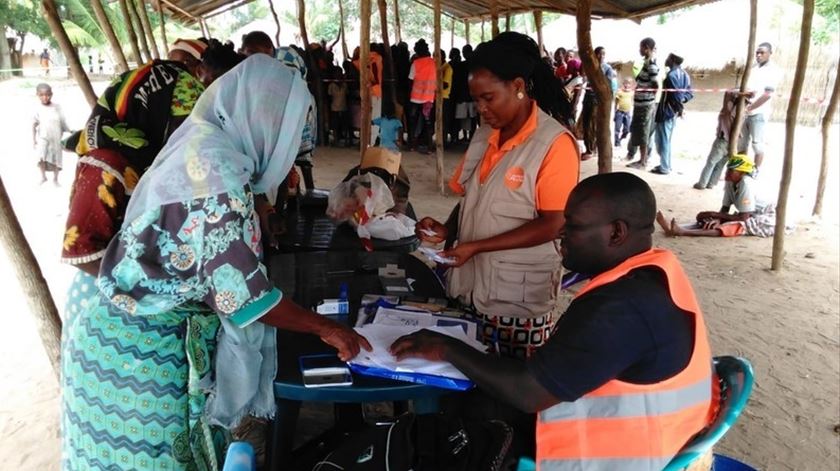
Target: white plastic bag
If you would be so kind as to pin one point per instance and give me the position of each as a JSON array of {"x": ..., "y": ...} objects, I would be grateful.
[
  {"x": 359, "y": 199},
  {"x": 388, "y": 226}
]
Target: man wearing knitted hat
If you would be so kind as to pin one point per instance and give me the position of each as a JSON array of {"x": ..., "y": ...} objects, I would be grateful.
[
  {"x": 188, "y": 52},
  {"x": 752, "y": 217}
]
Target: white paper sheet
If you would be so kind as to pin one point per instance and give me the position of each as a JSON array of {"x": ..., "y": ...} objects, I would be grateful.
[{"x": 421, "y": 319}]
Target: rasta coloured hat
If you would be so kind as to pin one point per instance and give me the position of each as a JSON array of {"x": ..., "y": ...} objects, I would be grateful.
[{"x": 741, "y": 163}]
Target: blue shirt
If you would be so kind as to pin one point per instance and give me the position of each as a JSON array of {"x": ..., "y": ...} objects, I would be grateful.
[
  {"x": 628, "y": 330},
  {"x": 388, "y": 132},
  {"x": 671, "y": 103}
]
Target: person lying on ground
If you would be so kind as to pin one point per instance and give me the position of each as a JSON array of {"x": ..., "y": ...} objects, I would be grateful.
[
  {"x": 753, "y": 217},
  {"x": 627, "y": 370}
]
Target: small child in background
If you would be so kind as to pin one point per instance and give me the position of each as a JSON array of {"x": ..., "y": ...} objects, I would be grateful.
[
  {"x": 48, "y": 125},
  {"x": 390, "y": 134},
  {"x": 339, "y": 118},
  {"x": 623, "y": 108}
]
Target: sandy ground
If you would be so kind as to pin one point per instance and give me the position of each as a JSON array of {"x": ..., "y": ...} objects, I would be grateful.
[{"x": 787, "y": 324}]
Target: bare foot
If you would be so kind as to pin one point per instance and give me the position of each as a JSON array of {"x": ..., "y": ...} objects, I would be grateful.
[{"x": 663, "y": 223}]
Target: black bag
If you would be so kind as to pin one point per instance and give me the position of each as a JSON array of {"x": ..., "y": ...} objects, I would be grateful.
[{"x": 431, "y": 442}]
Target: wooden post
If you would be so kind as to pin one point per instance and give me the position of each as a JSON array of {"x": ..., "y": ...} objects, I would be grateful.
[
  {"x": 29, "y": 275},
  {"x": 344, "y": 49},
  {"x": 162, "y": 27},
  {"x": 482, "y": 30},
  {"x": 494, "y": 18},
  {"x": 538, "y": 27},
  {"x": 452, "y": 34},
  {"x": 389, "y": 79},
  {"x": 438, "y": 102},
  {"x": 828, "y": 117},
  {"x": 132, "y": 37},
  {"x": 277, "y": 22},
  {"x": 204, "y": 32},
  {"x": 397, "y": 25},
  {"x": 364, "y": 75},
  {"x": 467, "y": 31},
  {"x": 50, "y": 13},
  {"x": 507, "y": 21},
  {"x": 603, "y": 90},
  {"x": 138, "y": 26},
  {"x": 105, "y": 24},
  {"x": 147, "y": 27},
  {"x": 314, "y": 72},
  {"x": 790, "y": 132},
  {"x": 735, "y": 129}
]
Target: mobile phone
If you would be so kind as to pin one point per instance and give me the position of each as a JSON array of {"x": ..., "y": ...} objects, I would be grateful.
[{"x": 324, "y": 370}]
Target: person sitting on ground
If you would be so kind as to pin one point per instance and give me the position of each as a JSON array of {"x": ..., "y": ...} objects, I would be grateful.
[
  {"x": 753, "y": 217},
  {"x": 217, "y": 59},
  {"x": 625, "y": 380}
]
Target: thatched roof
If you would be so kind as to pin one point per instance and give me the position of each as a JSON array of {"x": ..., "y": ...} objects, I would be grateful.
[{"x": 193, "y": 10}]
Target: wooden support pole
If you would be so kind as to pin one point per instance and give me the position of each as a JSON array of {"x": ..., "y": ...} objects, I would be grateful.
[
  {"x": 452, "y": 34},
  {"x": 389, "y": 75},
  {"x": 50, "y": 13},
  {"x": 603, "y": 90},
  {"x": 790, "y": 133},
  {"x": 507, "y": 21},
  {"x": 132, "y": 37},
  {"x": 397, "y": 24},
  {"x": 438, "y": 102},
  {"x": 735, "y": 129},
  {"x": 31, "y": 280},
  {"x": 147, "y": 27},
  {"x": 277, "y": 22},
  {"x": 482, "y": 30},
  {"x": 138, "y": 26},
  {"x": 105, "y": 24},
  {"x": 162, "y": 27},
  {"x": 364, "y": 75},
  {"x": 494, "y": 18},
  {"x": 538, "y": 27},
  {"x": 314, "y": 73},
  {"x": 344, "y": 49},
  {"x": 827, "y": 118},
  {"x": 467, "y": 31}
]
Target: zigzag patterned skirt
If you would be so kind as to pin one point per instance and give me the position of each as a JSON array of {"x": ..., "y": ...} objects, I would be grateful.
[{"x": 130, "y": 384}]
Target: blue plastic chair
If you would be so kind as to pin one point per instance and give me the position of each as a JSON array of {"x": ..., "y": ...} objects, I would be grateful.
[
  {"x": 240, "y": 457},
  {"x": 736, "y": 382}
]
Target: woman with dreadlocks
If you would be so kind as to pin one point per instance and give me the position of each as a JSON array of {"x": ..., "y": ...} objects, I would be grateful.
[{"x": 514, "y": 180}]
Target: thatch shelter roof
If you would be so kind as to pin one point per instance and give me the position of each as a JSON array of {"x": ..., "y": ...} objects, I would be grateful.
[{"x": 193, "y": 10}]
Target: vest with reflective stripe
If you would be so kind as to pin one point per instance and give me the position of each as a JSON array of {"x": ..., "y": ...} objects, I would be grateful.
[
  {"x": 425, "y": 80},
  {"x": 629, "y": 426}
]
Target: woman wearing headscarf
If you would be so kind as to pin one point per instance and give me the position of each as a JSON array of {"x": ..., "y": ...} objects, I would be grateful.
[
  {"x": 514, "y": 180},
  {"x": 179, "y": 343}
]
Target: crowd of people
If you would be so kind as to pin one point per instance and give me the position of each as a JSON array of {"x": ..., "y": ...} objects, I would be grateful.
[{"x": 169, "y": 340}]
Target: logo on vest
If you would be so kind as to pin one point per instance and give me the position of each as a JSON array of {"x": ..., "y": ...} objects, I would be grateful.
[{"x": 514, "y": 178}]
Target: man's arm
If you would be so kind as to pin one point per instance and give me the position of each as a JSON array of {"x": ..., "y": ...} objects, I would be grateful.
[
  {"x": 504, "y": 378},
  {"x": 761, "y": 100}
]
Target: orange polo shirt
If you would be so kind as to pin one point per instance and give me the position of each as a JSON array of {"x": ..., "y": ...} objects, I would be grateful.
[{"x": 558, "y": 173}]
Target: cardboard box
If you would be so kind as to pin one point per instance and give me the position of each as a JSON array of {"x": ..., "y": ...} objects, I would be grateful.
[{"x": 382, "y": 158}]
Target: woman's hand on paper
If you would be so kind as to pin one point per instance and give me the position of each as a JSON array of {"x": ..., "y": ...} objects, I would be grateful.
[
  {"x": 424, "y": 344},
  {"x": 346, "y": 340},
  {"x": 430, "y": 230}
]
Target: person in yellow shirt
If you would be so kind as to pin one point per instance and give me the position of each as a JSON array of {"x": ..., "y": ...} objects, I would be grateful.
[{"x": 623, "y": 108}]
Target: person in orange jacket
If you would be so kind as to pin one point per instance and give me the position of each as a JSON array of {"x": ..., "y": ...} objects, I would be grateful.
[{"x": 625, "y": 380}]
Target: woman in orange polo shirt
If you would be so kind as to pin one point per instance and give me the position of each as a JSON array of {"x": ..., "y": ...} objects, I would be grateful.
[{"x": 513, "y": 181}]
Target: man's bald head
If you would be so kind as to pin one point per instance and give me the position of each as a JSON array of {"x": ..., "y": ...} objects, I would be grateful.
[
  {"x": 619, "y": 195},
  {"x": 609, "y": 218}
]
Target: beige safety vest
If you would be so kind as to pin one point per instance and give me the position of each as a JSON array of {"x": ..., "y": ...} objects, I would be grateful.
[{"x": 518, "y": 282}]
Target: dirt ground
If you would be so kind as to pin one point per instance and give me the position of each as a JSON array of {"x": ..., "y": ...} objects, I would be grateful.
[{"x": 786, "y": 323}]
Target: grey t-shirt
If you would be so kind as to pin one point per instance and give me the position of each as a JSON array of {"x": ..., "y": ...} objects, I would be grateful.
[{"x": 741, "y": 195}]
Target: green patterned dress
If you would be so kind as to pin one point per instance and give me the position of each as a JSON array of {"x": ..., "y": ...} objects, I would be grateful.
[{"x": 138, "y": 352}]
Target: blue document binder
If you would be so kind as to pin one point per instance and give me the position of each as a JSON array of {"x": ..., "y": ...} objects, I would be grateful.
[{"x": 419, "y": 378}]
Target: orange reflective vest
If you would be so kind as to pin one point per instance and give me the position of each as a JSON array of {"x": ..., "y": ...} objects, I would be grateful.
[
  {"x": 425, "y": 80},
  {"x": 624, "y": 426}
]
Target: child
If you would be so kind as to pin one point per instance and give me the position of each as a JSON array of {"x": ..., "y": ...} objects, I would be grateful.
[
  {"x": 623, "y": 108},
  {"x": 47, "y": 127},
  {"x": 339, "y": 119},
  {"x": 389, "y": 128}
]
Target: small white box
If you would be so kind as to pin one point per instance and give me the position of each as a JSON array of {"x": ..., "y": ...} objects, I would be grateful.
[{"x": 333, "y": 306}]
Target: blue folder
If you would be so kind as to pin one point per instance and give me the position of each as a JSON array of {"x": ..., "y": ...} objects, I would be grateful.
[{"x": 419, "y": 378}]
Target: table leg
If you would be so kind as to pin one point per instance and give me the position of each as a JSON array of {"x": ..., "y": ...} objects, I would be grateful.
[{"x": 282, "y": 434}]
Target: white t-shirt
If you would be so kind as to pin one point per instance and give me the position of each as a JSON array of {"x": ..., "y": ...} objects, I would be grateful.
[
  {"x": 763, "y": 79},
  {"x": 743, "y": 196}
]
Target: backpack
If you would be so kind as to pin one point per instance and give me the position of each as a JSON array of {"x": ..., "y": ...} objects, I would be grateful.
[{"x": 432, "y": 442}]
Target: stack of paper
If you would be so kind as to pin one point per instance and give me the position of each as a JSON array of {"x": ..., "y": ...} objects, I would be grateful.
[
  {"x": 380, "y": 362},
  {"x": 422, "y": 319}
]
